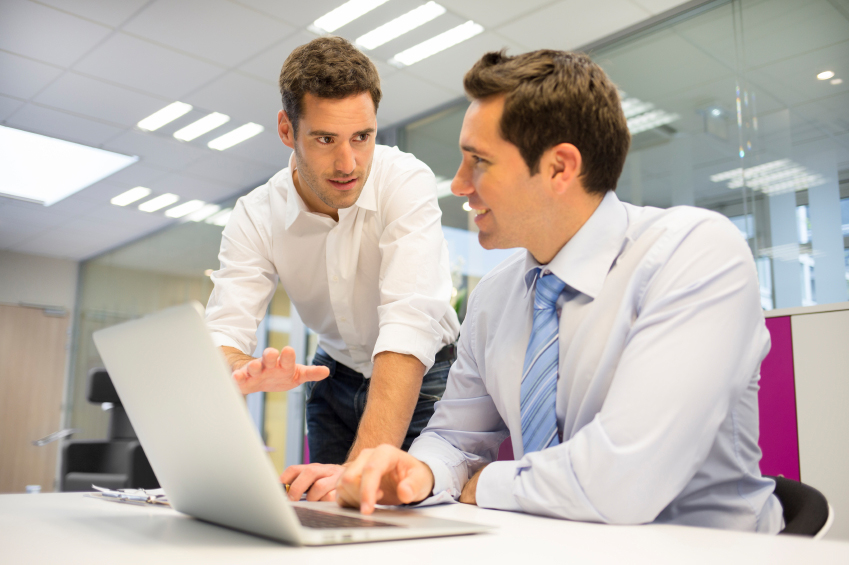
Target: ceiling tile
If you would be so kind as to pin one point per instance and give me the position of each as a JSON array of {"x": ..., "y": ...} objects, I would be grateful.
[
  {"x": 63, "y": 243},
  {"x": 23, "y": 77},
  {"x": 13, "y": 233},
  {"x": 112, "y": 14},
  {"x": 137, "y": 174},
  {"x": 241, "y": 97},
  {"x": 493, "y": 13},
  {"x": 144, "y": 66},
  {"x": 156, "y": 151},
  {"x": 299, "y": 14},
  {"x": 448, "y": 68},
  {"x": 98, "y": 99},
  {"x": 220, "y": 31},
  {"x": 266, "y": 66},
  {"x": 658, "y": 6},
  {"x": 30, "y": 213},
  {"x": 103, "y": 191},
  {"x": 192, "y": 188},
  {"x": 62, "y": 125},
  {"x": 9, "y": 106},
  {"x": 46, "y": 34},
  {"x": 405, "y": 96},
  {"x": 233, "y": 171},
  {"x": 571, "y": 23}
]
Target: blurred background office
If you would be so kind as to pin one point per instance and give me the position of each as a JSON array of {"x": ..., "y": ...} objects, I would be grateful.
[{"x": 170, "y": 108}]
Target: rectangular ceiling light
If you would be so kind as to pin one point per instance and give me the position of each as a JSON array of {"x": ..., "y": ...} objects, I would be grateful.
[
  {"x": 42, "y": 169},
  {"x": 345, "y": 14},
  {"x": 159, "y": 202},
  {"x": 236, "y": 136},
  {"x": 400, "y": 25},
  {"x": 185, "y": 208},
  {"x": 202, "y": 126},
  {"x": 220, "y": 219},
  {"x": 436, "y": 44},
  {"x": 775, "y": 177},
  {"x": 164, "y": 116},
  {"x": 204, "y": 213},
  {"x": 130, "y": 196}
]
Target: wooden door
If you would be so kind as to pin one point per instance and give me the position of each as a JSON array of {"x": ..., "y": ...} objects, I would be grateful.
[{"x": 32, "y": 375}]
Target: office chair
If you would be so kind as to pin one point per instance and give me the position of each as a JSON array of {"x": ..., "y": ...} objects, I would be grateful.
[
  {"x": 116, "y": 462},
  {"x": 806, "y": 511}
]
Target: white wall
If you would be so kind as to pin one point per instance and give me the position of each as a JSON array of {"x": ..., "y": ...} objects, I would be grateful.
[{"x": 37, "y": 280}]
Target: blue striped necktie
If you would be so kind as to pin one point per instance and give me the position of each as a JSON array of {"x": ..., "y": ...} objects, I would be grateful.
[{"x": 539, "y": 376}]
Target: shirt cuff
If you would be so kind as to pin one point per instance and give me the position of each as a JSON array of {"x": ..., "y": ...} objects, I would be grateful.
[
  {"x": 495, "y": 486},
  {"x": 443, "y": 479},
  {"x": 400, "y": 338},
  {"x": 220, "y": 339}
]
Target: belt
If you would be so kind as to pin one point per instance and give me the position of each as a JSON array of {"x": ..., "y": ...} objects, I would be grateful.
[{"x": 447, "y": 353}]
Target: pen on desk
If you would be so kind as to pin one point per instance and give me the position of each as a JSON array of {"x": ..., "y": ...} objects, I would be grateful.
[{"x": 286, "y": 486}]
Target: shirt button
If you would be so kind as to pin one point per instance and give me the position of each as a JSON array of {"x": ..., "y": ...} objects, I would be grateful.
[
  {"x": 335, "y": 278},
  {"x": 343, "y": 319}
]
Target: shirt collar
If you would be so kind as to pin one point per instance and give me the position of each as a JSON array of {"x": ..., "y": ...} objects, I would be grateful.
[
  {"x": 295, "y": 205},
  {"x": 585, "y": 260}
]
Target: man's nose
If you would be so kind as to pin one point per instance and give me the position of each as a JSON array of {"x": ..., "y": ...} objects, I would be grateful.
[
  {"x": 345, "y": 160},
  {"x": 461, "y": 185}
]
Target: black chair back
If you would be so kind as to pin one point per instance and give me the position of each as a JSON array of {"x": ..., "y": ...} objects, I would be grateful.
[{"x": 805, "y": 508}]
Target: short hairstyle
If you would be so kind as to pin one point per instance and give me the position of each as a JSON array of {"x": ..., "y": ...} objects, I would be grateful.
[
  {"x": 326, "y": 67},
  {"x": 554, "y": 97}
]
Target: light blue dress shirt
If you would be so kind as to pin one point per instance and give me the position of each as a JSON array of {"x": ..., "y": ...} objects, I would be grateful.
[{"x": 661, "y": 340}]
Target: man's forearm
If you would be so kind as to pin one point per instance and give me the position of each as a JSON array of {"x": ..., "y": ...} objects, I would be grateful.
[
  {"x": 235, "y": 358},
  {"x": 393, "y": 394}
]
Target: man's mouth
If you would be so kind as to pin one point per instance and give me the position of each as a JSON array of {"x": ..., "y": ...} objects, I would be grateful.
[
  {"x": 480, "y": 212},
  {"x": 343, "y": 184}
]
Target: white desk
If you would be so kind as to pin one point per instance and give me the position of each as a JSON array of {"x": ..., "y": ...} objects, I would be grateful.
[{"x": 68, "y": 528}]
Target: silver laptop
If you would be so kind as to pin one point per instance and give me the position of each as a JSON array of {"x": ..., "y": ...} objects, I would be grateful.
[{"x": 195, "y": 429}]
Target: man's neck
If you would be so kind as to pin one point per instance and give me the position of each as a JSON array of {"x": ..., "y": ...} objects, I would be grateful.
[{"x": 560, "y": 226}]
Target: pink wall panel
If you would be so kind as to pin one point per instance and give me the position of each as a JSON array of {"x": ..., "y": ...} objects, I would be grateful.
[{"x": 779, "y": 439}]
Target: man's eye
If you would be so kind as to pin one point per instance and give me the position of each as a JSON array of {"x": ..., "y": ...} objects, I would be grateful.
[
  {"x": 325, "y": 139},
  {"x": 477, "y": 160},
  {"x": 362, "y": 137}
]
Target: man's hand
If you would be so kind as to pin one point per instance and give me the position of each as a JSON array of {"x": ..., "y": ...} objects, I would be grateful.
[
  {"x": 384, "y": 475},
  {"x": 317, "y": 480},
  {"x": 470, "y": 488},
  {"x": 275, "y": 371}
]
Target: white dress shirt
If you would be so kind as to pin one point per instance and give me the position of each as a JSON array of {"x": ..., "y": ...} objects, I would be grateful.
[
  {"x": 377, "y": 280},
  {"x": 661, "y": 340}
]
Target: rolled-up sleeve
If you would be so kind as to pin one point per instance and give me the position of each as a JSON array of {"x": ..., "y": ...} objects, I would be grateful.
[
  {"x": 466, "y": 429},
  {"x": 245, "y": 282},
  {"x": 415, "y": 279},
  {"x": 691, "y": 352}
]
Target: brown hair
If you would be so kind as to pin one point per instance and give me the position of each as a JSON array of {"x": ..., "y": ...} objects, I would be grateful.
[
  {"x": 327, "y": 67},
  {"x": 554, "y": 97}
]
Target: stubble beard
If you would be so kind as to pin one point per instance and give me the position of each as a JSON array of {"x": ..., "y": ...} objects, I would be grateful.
[{"x": 312, "y": 182}]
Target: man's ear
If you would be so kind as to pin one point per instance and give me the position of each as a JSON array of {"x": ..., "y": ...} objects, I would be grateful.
[
  {"x": 285, "y": 129},
  {"x": 562, "y": 165}
]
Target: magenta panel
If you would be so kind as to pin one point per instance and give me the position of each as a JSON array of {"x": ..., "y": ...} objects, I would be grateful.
[
  {"x": 505, "y": 451},
  {"x": 779, "y": 439}
]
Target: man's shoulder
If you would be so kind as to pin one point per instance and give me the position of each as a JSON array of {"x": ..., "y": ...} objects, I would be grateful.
[
  {"x": 677, "y": 222},
  {"x": 391, "y": 163}
]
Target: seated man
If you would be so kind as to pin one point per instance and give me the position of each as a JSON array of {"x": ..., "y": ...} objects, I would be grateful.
[{"x": 620, "y": 350}]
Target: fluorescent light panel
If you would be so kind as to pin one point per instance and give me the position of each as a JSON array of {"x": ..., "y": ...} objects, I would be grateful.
[
  {"x": 774, "y": 177},
  {"x": 164, "y": 116},
  {"x": 436, "y": 44},
  {"x": 236, "y": 136},
  {"x": 220, "y": 219},
  {"x": 202, "y": 126},
  {"x": 130, "y": 196},
  {"x": 345, "y": 14},
  {"x": 400, "y": 25},
  {"x": 204, "y": 213},
  {"x": 159, "y": 202},
  {"x": 42, "y": 169},
  {"x": 185, "y": 208}
]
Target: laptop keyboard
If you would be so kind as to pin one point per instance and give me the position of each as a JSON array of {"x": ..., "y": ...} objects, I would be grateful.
[{"x": 325, "y": 520}]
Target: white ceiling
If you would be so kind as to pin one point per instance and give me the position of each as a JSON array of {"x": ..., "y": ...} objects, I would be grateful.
[{"x": 88, "y": 71}]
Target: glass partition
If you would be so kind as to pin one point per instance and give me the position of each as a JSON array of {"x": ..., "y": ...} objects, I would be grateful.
[{"x": 739, "y": 107}]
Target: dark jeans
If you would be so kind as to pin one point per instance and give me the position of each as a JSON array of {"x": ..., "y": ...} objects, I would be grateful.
[{"x": 336, "y": 405}]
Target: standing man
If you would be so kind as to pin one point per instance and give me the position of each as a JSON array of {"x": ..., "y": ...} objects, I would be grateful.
[
  {"x": 620, "y": 350},
  {"x": 352, "y": 231}
]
